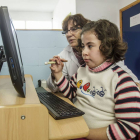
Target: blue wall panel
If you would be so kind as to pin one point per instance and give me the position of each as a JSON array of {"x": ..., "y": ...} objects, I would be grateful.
[
  {"x": 132, "y": 36},
  {"x": 36, "y": 48}
]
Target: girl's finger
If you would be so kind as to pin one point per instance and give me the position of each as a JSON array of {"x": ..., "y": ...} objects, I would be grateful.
[
  {"x": 56, "y": 56},
  {"x": 52, "y": 68},
  {"x": 64, "y": 60}
]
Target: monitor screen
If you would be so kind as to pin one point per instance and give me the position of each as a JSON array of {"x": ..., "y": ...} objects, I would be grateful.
[{"x": 12, "y": 52}]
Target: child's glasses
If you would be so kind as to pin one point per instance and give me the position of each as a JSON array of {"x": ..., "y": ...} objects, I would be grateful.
[{"x": 73, "y": 30}]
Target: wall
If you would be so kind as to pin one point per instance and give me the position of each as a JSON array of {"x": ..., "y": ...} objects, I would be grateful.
[
  {"x": 36, "y": 48},
  {"x": 123, "y": 3},
  {"x": 96, "y": 9},
  {"x": 31, "y": 16},
  {"x": 63, "y": 8}
]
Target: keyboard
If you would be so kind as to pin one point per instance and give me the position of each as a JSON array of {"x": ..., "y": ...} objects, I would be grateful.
[{"x": 58, "y": 108}]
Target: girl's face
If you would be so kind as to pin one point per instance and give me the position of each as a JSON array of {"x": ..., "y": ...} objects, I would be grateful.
[{"x": 90, "y": 50}]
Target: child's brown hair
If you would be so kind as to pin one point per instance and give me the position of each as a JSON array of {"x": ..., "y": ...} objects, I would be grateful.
[{"x": 112, "y": 47}]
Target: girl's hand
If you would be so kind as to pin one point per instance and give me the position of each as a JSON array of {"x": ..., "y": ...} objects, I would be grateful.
[{"x": 57, "y": 67}]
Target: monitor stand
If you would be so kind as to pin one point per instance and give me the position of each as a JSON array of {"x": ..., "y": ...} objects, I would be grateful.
[{"x": 2, "y": 57}]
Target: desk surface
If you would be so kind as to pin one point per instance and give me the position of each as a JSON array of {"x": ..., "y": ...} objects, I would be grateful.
[
  {"x": 58, "y": 129},
  {"x": 67, "y": 128},
  {"x": 6, "y": 88}
]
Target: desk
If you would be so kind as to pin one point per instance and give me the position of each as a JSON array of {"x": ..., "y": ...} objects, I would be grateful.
[
  {"x": 39, "y": 125},
  {"x": 67, "y": 128},
  {"x": 13, "y": 106}
]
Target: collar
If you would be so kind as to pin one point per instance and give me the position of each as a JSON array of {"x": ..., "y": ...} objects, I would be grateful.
[
  {"x": 101, "y": 67},
  {"x": 68, "y": 48}
]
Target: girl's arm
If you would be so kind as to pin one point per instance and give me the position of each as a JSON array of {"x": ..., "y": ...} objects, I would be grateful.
[
  {"x": 57, "y": 67},
  {"x": 97, "y": 134},
  {"x": 68, "y": 88},
  {"x": 125, "y": 68},
  {"x": 51, "y": 85},
  {"x": 127, "y": 109},
  {"x": 50, "y": 81}
]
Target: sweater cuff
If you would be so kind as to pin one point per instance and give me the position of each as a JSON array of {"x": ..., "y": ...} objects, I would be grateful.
[
  {"x": 112, "y": 132},
  {"x": 107, "y": 133},
  {"x": 59, "y": 80}
]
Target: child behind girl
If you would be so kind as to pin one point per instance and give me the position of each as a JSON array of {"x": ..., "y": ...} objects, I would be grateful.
[{"x": 104, "y": 91}]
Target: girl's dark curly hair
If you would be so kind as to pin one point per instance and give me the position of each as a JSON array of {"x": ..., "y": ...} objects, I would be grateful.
[
  {"x": 112, "y": 47},
  {"x": 78, "y": 20}
]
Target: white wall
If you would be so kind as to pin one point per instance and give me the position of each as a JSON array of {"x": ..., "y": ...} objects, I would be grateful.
[
  {"x": 63, "y": 8},
  {"x": 123, "y": 3},
  {"x": 97, "y": 9},
  {"x": 31, "y": 16},
  {"x": 91, "y": 9}
]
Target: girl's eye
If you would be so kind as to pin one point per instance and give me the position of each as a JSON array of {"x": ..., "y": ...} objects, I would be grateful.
[{"x": 90, "y": 46}]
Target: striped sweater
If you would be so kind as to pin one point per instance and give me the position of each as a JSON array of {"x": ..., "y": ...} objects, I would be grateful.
[{"x": 109, "y": 98}]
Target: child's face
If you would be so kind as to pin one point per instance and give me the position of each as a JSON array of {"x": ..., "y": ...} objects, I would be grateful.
[{"x": 90, "y": 50}]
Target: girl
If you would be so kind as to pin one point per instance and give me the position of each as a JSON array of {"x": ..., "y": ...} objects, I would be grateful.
[{"x": 105, "y": 92}]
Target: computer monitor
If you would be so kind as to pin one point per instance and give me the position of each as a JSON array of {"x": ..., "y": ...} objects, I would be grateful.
[{"x": 12, "y": 52}]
